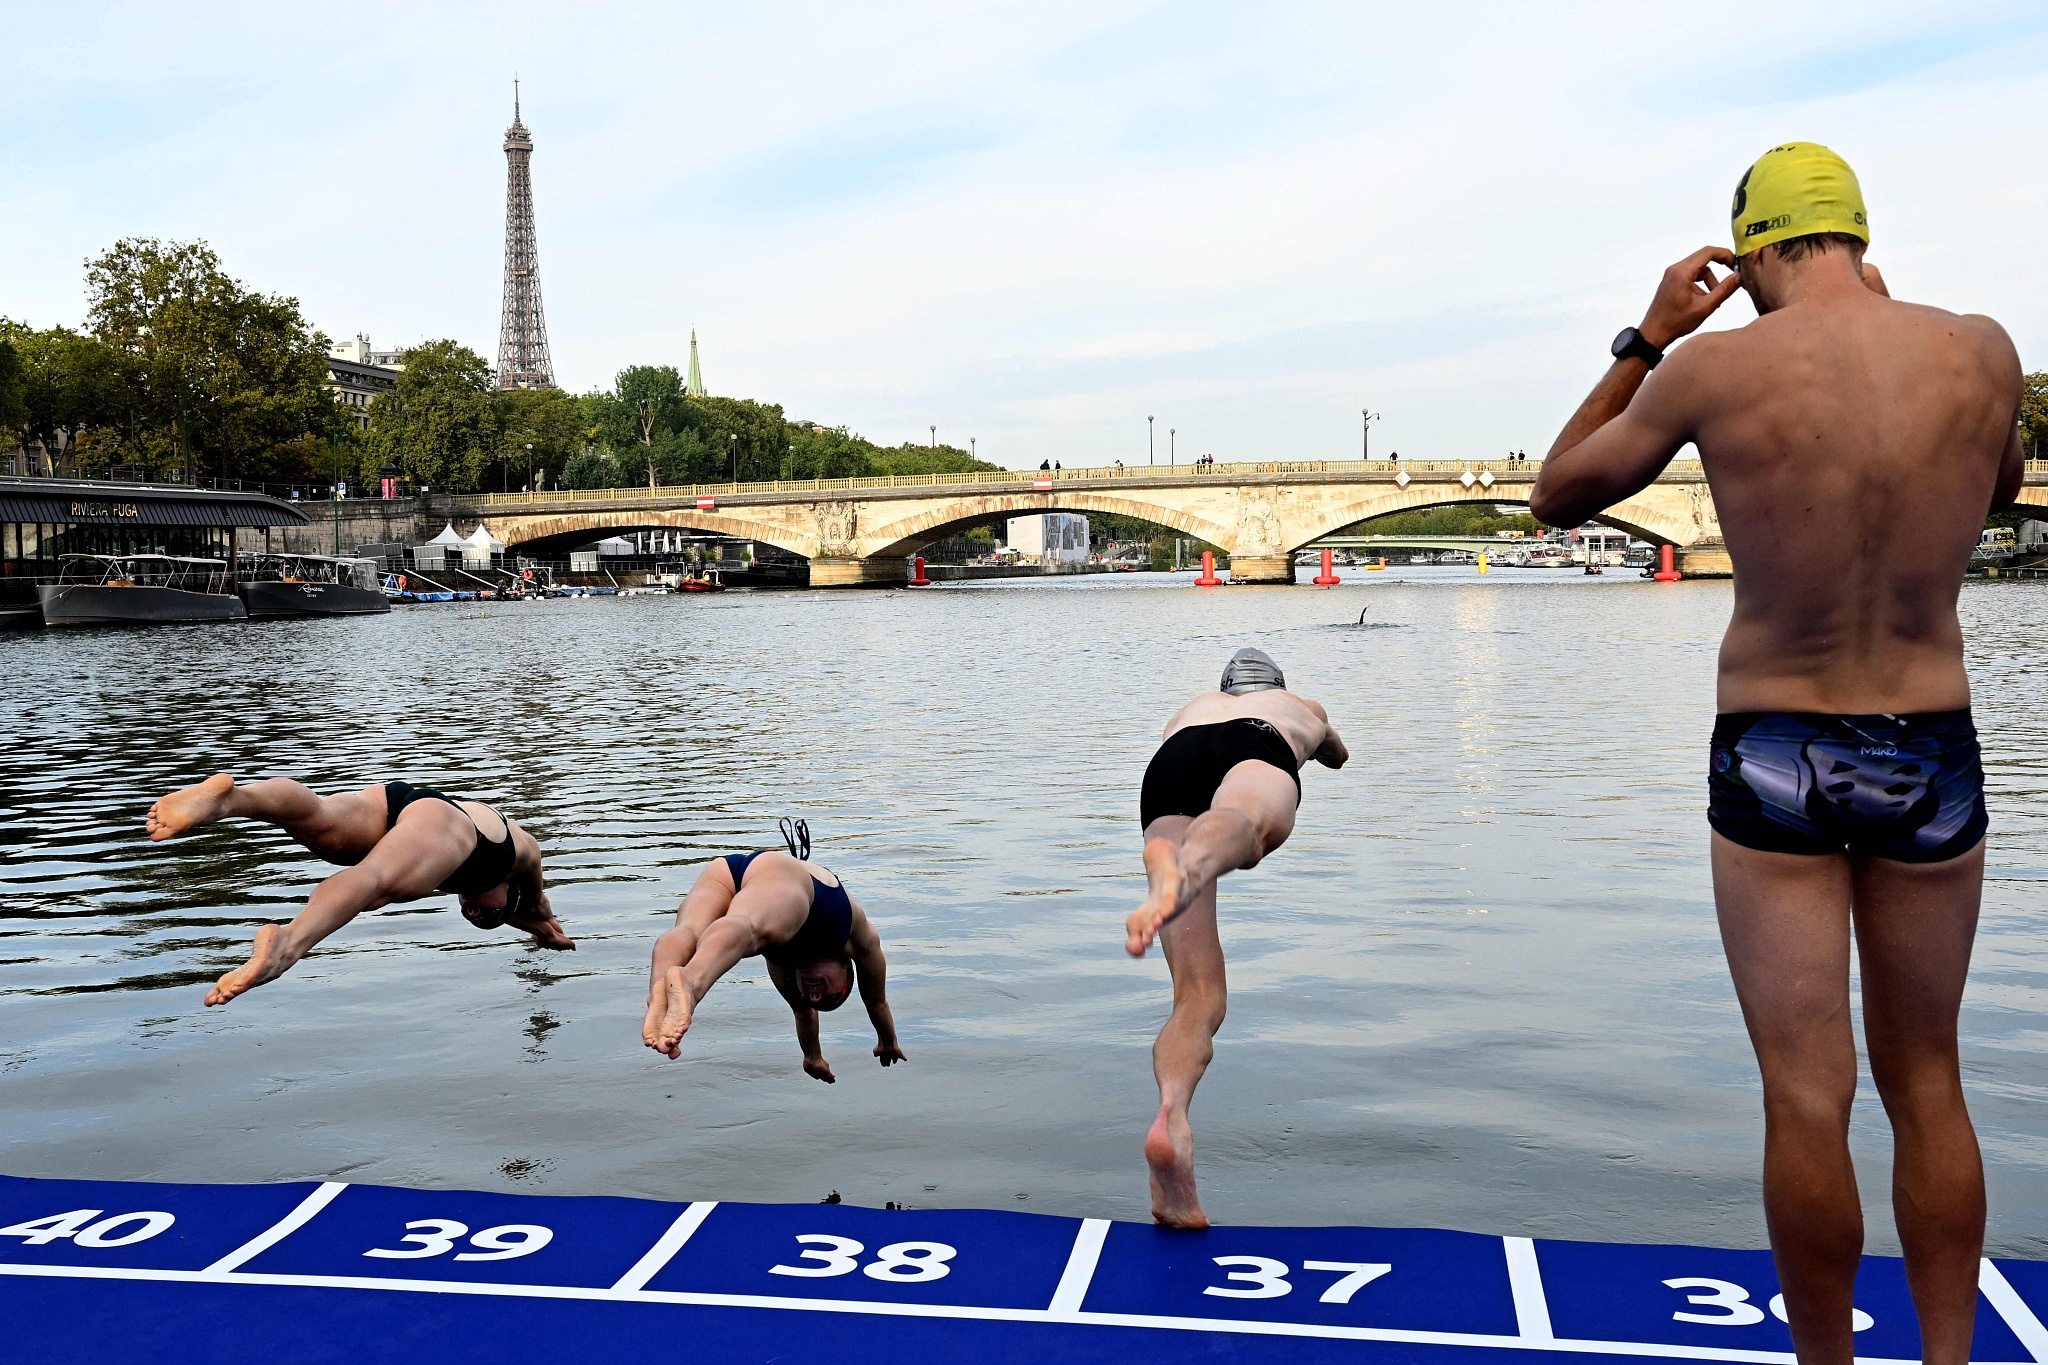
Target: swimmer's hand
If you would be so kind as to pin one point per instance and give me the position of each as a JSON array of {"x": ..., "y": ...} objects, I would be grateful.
[
  {"x": 890, "y": 1052},
  {"x": 668, "y": 1014},
  {"x": 1688, "y": 295},
  {"x": 822, "y": 1069}
]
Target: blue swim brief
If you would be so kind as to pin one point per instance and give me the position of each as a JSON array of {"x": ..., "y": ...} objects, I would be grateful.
[{"x": 1908, "y": 788}]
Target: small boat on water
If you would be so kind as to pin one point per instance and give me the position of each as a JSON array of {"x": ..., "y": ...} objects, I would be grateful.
[
  {"x": 708, "y": 581},
  {"x": 93, "y": 590},
  {"x": 310, "y": 585}
]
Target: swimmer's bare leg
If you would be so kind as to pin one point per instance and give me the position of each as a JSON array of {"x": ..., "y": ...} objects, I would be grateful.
[
  {"x": 1251, "y": 814},
  {"x": 349, "y": 824},
  {"x": 1194, "y": 955},
  {"x": 408, "y": 864}
]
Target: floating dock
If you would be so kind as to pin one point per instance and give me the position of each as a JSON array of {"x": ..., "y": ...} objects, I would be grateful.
[{"x": 337, "y": 1272}]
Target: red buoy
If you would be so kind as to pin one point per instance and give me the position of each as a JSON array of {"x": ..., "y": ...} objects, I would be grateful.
[
  {"x": 917, "y": 578},
  {"x": 1208, "y": 578},
  {"x": 1667, "y": 572},
  {"x": 1328, "y": 577}
]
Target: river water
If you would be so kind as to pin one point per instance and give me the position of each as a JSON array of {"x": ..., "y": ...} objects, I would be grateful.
[{"x": 1480, "y": 988}]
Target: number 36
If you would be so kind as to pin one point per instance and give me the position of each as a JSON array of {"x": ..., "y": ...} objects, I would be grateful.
[{"x": 1733, "y": 1308}]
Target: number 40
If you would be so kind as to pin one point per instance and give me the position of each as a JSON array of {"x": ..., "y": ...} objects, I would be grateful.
[
  {"x": 1268, "y": 1278},
  {"x": 79, "y": 1226}
]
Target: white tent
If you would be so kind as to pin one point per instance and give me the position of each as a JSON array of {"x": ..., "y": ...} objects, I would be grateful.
[
  {"x": 482, "y": 549},
  {"x": 588, "y": 558},
  {"x": 434, "y": 554}
]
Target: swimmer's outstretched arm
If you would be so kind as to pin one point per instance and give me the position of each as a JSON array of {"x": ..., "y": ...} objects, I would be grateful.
[
  {"x": 871, "y": 971},
  {"x": 1331, "y": 753}
]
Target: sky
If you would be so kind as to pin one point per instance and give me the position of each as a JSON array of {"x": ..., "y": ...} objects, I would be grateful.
[{"x": 1033, "y": 225}]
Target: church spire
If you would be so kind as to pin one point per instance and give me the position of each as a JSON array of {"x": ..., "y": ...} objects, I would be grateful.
[{"x": 695, "y": 385}]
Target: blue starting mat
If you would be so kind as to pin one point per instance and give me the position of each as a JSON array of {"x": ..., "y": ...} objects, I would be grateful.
[{"x": 338, "y": 1272}]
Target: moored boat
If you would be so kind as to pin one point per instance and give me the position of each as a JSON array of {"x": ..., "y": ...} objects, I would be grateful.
[
  {"x": 310, "y": 585},
  {"x": 139, "y": 590}
]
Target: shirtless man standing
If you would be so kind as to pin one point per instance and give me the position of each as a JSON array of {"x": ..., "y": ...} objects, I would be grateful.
[
  {"x": 395, "y": 842},
  {"x": 1853, "y": 444},
  {"x": 1218, "y": 796},
  {"x": 816, "y": 940}
]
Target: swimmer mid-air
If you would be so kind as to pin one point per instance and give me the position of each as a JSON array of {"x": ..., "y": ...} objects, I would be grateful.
[
  {"x": 395, "y": 842},
  {"x": 1219, "y": 795},
  {"x": 814, "y": 937}
]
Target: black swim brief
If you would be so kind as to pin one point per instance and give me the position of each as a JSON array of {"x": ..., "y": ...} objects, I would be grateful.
[
  {"x": 1183, "y": 776},
  {"x": 1908, "y": 788}
]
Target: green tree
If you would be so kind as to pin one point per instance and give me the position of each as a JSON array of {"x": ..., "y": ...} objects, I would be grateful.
[
  {"x": 444, "y": 426},
  {"x": 544, "y": 429},
  {"x": 13, "y": 400},
  {"x": 75, "y": 395},
  {"x": 236, "y": 377},
  {"x": 2034, "y": 414}
]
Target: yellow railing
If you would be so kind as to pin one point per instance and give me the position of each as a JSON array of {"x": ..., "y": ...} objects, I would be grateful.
[{"x": 1383, "y": 470}]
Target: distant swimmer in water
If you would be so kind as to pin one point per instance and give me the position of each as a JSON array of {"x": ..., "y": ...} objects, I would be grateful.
[
  {"x": 395, "y": 842},
  {"x": 1853, "y": 444},
  {"x": 797, "y": 916},
  {"x": 1219, "y": 795}
]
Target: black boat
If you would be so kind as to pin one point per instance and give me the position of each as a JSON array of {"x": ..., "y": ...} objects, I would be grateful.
[
  {"x": 310, "y": 585},
  {"x": 100, "y": 590}
]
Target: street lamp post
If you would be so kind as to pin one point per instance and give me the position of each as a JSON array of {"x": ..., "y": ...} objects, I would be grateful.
[
  {"x": 529, "y": 465},
  {"x": 935, "y": 437},
  {"x": 335, "y": 441},
  {"x": 1172, "y": 457},
  {"x": 1365, "y": 433},
  {"x": 973, "y": 451},
  {"x": 733, "y": 439},
  {"x": 1148, "y": 439}
]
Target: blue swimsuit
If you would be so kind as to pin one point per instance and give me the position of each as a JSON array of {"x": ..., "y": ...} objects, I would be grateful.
[{"x": 824, "y": 933}]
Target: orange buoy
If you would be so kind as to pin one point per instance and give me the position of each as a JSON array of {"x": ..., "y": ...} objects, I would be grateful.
[
  {"x": 917, "y": 578},
  {"x": 1208, "y": 578},
  {"x": 1667, "y": 571},
  {"x": 1328, "y": 577}
]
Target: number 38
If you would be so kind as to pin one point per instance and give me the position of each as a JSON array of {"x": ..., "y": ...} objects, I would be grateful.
[{"x": 901, "y": 1262}]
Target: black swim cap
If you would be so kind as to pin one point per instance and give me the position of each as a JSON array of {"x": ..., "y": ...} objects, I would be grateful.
[{"x": 1251, "y": 670}]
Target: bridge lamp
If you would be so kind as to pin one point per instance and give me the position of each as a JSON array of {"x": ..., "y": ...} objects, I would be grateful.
[
  {"x": 1365, "y": 433},
  {"x": 733, "y": 439},
  {"x": 1148, "y": 438},
  {"x": 935, "y": 436},
  {"x": 1172, "y": 458}
]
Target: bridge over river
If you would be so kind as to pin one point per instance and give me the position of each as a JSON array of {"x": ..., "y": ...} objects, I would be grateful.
[{"x": 863, "y": 530}]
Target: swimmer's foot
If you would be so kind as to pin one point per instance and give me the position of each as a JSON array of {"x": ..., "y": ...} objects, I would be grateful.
[
  {"x": 268, "y": 960},
  {"x": 668, "y": 1015},
  {"x": 1167, "y": 896},
  {"x": 192, "y": 807},
  {"x": 1170, "y": 1152}
]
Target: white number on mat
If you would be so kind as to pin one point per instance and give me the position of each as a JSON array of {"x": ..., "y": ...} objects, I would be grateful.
[
  {"x": 1356, "y": 1278},
  {"x": 1731, "y": 1299},
  {"x": 837, "y": 1258},
  {"x": 911, "y": 1262},
  {"x": 436, "y": 1237},
  {"x": 900, "y": 1262},
  {"x": 79, "y": 1226},
  {"x": 1267, "y": 1278},
  {"x": 1859, "y": 1321}
]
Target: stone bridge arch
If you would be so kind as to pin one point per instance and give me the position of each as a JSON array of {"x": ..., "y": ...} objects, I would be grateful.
[
  {"x": 518, "y": 531},
  {"x": 915, "y": 529},
  {"x": 1653, "y": 515}
]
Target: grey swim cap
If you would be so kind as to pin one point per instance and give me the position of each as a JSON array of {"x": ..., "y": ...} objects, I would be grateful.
[{"x": 1251, "y": 670}]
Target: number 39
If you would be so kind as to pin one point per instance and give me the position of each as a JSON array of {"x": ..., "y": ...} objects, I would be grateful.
[{"x": 438, "y": 1238}]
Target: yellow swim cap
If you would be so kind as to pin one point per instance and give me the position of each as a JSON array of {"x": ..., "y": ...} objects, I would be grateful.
[{"x": 1794, "y": 190}]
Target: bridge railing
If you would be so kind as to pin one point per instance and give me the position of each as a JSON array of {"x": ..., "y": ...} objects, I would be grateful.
[
  {"x": 1433, "y": 471},
  {"x": 1381, "y": 470}
]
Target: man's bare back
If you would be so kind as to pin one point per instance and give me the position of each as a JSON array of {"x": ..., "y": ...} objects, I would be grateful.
[
  {"x": 1853, "y": 444},
  {"x": 1304, "y": 724}
]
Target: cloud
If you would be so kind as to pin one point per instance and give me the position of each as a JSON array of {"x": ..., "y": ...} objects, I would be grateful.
[{"x": 1029, "y": 223}]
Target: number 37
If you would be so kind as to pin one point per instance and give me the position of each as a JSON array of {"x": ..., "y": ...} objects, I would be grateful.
[{"x": 1267, "y": 1279}]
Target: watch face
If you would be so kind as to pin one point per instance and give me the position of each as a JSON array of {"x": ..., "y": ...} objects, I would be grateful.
[{"x": 1622, "y": 340}]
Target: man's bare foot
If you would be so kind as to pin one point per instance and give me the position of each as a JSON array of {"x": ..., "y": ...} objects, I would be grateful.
[
  {"x": 1170, "y": 1152},
  {"x": 668, "y": 1015},
  {"x": 1168, "y": 895},
  {"x": 183, "y": 810},
  {"x": 267, "y": 962}
]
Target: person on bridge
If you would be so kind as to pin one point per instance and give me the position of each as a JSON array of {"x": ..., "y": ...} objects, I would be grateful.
[
  {"x": 394, "y": 842},
  {"x": 1853, "y": 444},
  {"x": 814, "y": 937},
  {"x": 1219, "y": 795}
]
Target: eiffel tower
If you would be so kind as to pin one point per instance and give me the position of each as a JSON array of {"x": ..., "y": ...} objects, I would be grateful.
[{"x": 522, "y": 333}]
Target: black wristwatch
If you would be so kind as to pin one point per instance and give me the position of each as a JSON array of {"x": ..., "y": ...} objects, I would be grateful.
[{"x": 1632, "y": 345}]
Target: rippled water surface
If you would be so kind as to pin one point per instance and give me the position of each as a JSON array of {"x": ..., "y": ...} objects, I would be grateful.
[{"x": 1480, "y": 988}]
